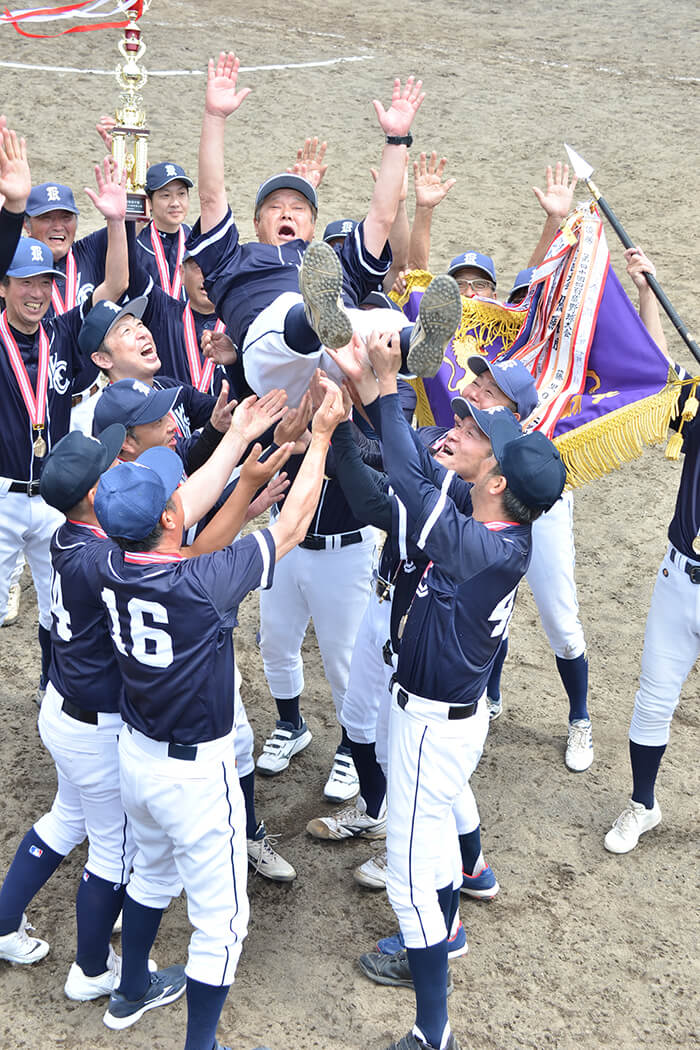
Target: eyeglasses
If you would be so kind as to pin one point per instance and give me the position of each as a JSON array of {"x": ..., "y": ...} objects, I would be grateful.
[{"x": 479, "y": 286}]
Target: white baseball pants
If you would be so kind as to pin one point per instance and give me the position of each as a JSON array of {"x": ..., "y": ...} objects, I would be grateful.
[
  {"x": 26, "y": 525},
  {"x": 551, "y": 578}
]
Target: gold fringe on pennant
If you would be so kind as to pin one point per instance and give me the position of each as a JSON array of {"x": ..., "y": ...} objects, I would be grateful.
[
  {"x": 424, "y": 413},
  {"x": 595, "y": 449}
]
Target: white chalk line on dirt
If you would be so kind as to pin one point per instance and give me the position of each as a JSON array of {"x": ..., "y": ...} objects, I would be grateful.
[
  {"x": 191, "y": 72},
  {"x": 520, "y": 60}
]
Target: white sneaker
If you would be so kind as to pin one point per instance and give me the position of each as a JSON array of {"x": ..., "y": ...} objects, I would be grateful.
[
  {"x": 350, "y": 822},
  {"x": 372, "y": 873},
  {"x": 81, "y": 988},
  {"x": 285, "y": 742},
  {"x": 494, "y": 707},
  {"x": 266, "y": 861},
  {"x": 18, "y": 947},
  {"x": 343, "y": 782},
  {"x": 12, "y": 605},
  {"x": 579, "y": 745},
  {"x": 632, "y": 822}
]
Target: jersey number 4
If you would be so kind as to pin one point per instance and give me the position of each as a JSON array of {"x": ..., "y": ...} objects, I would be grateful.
[
  {"x": 149, "y": 645},
  {"x": 502, "y": 613}
]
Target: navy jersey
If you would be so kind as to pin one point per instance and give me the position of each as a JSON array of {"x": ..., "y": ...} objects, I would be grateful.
[
  {"x": 243, "y": 279},
  {"x": 171, "y": 245},
  {"x": 89, "y": 254},
  {"x": 171, "y": 621},
  {"x": 465, "y": 598},
  {"x": 685, "y": 524},
  {"x": 17, "y": 459},
  {"x": 165, "y": 319},
  {"x": 192, "y": 409},
  {"x": 83, "y": 666}
]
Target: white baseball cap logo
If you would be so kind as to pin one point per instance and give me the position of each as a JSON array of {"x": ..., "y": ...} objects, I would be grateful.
[
  {"x": 52, "y": 193},
  {"x": 346, "y": 227},
  {"x": 142, "y": 388},
  {"x": 37, "y": 254},
  {"x": 113, "y": 307},
  {"x": 469, "y": 258},
  {"x": 170, "y": 169}
]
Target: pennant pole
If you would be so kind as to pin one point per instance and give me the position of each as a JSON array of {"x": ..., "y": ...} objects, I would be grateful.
[{"x": 583, "y": 171}]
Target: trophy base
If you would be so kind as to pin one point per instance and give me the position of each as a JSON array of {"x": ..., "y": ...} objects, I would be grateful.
[{"x": 137, "y": 207}]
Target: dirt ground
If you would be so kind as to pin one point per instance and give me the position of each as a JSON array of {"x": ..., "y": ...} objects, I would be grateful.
[{"x": 581, "y": 949}]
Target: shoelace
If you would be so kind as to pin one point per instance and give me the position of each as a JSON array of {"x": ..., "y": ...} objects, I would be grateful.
[
  {"x": 579, "y": 736},
  {"x": 266, "y": 851},
  {"x": 627, "y": 820}
]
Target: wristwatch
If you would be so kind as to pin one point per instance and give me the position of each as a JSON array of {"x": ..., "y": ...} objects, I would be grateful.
[{"x": 399, "y": 140}]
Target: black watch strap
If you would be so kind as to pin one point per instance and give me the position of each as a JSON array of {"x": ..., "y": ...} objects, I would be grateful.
[{"x": 399, "y": 140}]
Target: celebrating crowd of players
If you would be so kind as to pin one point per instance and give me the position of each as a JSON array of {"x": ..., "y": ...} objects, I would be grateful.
[{"x": 161, "y": 390}]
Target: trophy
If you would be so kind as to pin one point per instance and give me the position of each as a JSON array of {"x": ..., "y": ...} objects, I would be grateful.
[{"x": 130, "y": 134}]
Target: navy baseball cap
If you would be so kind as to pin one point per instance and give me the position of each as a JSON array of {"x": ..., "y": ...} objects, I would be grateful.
[
  {"x": 286, "y": 181},
  {"x": 487, "y": 418},
  {"x": 521, "y": 281},
  {"x": 132, "y": 403},
  {"x": 513, "y": 378},
  {"x": 32, "y": 258},
  {"x": 477, "y": 261},
  {"x": 531, "y": 465},
  {"x": 159, "y": 175},
  {"x": 102, "y": 319},
  {"x": 131, "y": 498},
  {"x": 50, "y": 196},
  {"x": 381, "y": 301},
  {"x": 339, "y": 229},
  {"x": 75, "y": 463}
]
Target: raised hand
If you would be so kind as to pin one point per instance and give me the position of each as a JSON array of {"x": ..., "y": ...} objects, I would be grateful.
[
  {"x": 222, "y": 413},
  {"x": 256, "y": 415},
  {"x": 222, "y": 99},
  {"x": 428, "y": 180},
  {"x": 639, "y": 264},
  {"x": 15, "y": 176},
  {"x": 294, "y": 423},
  {"x": 405, "y": 103},
  {"x": 104, "y": 128},
  {"x": 384, "y": 355},
  {"x": 219, "y": 347},
  {"x": 272, "y": 493},
  {"x": 331, "y": 410},
  {"x": 110, "y": 198},
  {"x": 557, "y": 198},
  {"x": 309, "y": 163},
  {"x": 256, "y": 472}
]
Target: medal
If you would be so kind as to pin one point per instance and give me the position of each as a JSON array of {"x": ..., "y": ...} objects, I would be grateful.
[
  {"x": 173, "y": 288},
  {"x": 60, "y": 304},
  {"x": 696, "y": 544},
  {"x": 35, "y": 403},
  {"x": 39, "y": 445}
]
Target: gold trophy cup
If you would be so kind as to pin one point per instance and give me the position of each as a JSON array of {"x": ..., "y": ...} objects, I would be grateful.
[{"x": 130, "y": 134}]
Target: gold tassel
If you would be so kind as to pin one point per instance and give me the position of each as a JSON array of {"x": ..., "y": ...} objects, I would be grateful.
[
  {"x": 674, "y": 446},
  {"x": 691, "y": 405}
]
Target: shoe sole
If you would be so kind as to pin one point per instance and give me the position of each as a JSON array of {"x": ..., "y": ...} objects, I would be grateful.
[
  {"x": 367, "y": 881},
  {"x": 320, "y": 830},
  {"x": 28, "y": 960},
  {"x": 117, "y": 1024},
  {"x": 299, "y": 745},
  {"x": 621, "y": 852},
  {"x": 439, "y": 316},
  {"x": 481, "y": 895},
  {"x": 348, "y": 796},
  {"x": 321, "y": 284},
  {"x": 390, "y": 982}
]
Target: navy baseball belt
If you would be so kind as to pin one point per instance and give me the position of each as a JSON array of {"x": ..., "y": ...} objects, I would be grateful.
[
  {"x": 28, "y": 488},
  {"x": 403, "y": 699},
  {"x": 690, "y": 568},
  {"x": 323, "y": 543},
  {"x": 185, "y": 752},
  {"x": 79, "y": 713}
]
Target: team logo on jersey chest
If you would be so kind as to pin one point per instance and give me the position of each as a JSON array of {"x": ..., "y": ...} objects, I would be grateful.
[{"x": 58, "y": 380}]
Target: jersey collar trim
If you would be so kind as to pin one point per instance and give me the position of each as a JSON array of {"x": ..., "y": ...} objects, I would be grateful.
[
  {"x": 496, "y": 526},
  {"x": 150, "y": 557},
  {"x": 86, "y": 525}
]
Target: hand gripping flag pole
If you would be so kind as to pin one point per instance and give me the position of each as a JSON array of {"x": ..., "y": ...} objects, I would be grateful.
[{"x": 583, "y": 171}]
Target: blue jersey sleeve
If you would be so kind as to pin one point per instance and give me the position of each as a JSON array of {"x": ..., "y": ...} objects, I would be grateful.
[
  {"x": 365, "y": 489},
  {"x": 246, "y": 565},
  {"x": 362, "y": 272}
]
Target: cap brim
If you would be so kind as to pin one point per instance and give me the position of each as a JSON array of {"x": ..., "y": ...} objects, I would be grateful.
[
  {"x": 166, "y": 182},
  {"x": 503, "y": 431},
  {"x": 32, "y": 271},
  {"x": 156, "y": 407},
  {"x": 166, "y": 464},
  {"x": 112, "y": 437}
]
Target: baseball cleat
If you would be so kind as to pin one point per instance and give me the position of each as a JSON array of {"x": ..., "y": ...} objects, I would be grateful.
[
  {"x": 372, "y": 874},
  {"x": 483, "y": 886},
  {"x": 392, "y": 970},
  {"x": 495, "y": 708},
  {"x": 343, "y": 782},
  {"x": 19, "y": 948},
  {"x": 321, "y": 285},
  {"x": 285, "y": 742},
  {"x": 265, "y": 860},
  {"x": 456, "y": 944},
  {"x": 82, "y": 988},
  {"x": 350, "y": 822},
  {"x": 632, "y": 822},
  {"x": 439, "y": 315},
  {"x": 166, "y": 986},
  {"x": 579, "y": 745},
  {"x": 412, "y": 1042},
  {"x": 12, "y": 613}
]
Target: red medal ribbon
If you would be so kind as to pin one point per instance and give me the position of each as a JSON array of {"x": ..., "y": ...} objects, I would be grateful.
[
  {"x": 175, "y": 287},
  {"x": 35, "y": 404},
  {"x": 151, "y": 558},
  {"x": 60, "y": 304},
  {"x": 201, "y": 374},
  {"x": 86, "y": 7}
]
